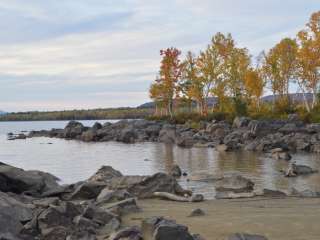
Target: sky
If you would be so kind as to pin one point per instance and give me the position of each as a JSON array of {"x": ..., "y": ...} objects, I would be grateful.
[{"x": 81, "y": 54}]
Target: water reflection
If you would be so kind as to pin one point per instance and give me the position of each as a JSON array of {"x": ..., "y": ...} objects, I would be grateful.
[{"x": 74, "y": 161}]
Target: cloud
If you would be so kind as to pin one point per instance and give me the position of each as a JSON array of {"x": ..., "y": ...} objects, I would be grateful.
[{"x": 60, "y": 54}]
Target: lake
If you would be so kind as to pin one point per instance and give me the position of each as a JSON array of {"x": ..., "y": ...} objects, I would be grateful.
[{"x": 74, "y": 161}]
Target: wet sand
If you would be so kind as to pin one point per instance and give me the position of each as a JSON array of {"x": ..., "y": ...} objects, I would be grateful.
[{"x": 277, "y": 219}]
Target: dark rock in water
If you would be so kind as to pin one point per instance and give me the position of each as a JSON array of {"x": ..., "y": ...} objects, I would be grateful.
[
  {"x": 234, "y": 183},
  {"x": 175, "y": 171},
  {"x": 96, "y": 126},
  {"x": 129, "y": 233},
  {"x": 19, "y": 181},
  {"x": 104, "y": 174},
  {"x": 20, "y": 136},
  {"x": 305, "y": 193},
  {"x": 73, "y": 130},
  {"x": 273, "y": 193},
  {"x": 279, "y": 154},
  {"x": 245, "y": 236},
  {"x": 299, "y": 170},
  {"x": 197, "y": 213}
]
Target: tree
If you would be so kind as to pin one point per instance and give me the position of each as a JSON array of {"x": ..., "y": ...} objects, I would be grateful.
[
  {"x": 254, "y": 86},
  {"x": 309, "y": 57},
  {"x": 280, "y": 67}
]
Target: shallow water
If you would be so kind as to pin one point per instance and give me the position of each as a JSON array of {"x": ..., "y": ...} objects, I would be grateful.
[{"x": 73, "y": 161}]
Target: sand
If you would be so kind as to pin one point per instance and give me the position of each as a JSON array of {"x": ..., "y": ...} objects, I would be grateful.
[{"x": 277, "y": 219}]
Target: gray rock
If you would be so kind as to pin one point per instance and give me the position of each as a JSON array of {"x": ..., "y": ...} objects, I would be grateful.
[
  {"x": 87, "y": 190},
  {"x": 82, "y": 235},
  {"x": 104, "y": 174},
  {"x": 110, "y": 196},
  {"x": 234, "y": 183},
  {"x": 55, "y": 233},
  {"x": 123, "y": 207},
  {"x": 197, "y": 213},
  {"x": 16, "y": 180},
  {"x": 273, "y": 193},
  {"x": 99, "y": 215},
  {"x": 73, "y": 130},
  {"x": 167, "y": 134},
  {"x": 240, "y": 122}
]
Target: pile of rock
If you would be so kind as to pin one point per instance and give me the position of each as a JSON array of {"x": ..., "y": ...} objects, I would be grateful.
[{"x": 34, "y": 206}]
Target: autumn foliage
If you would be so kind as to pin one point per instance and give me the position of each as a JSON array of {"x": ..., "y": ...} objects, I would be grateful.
[{"x": 227, "y": 72}]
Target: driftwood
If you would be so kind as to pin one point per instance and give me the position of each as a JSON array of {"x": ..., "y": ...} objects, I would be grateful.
[
  {"x": 174, "y": 197},
  {"x": 231, "y": 195}
]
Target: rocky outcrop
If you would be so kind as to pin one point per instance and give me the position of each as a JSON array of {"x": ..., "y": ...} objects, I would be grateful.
[{"x": 244, "y": 133}]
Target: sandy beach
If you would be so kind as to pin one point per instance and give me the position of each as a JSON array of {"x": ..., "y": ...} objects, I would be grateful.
[{"x": 277, "y": 219}]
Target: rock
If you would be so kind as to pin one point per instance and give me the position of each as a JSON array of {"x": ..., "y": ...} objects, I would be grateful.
[
  {"x": 293, "y": 117},
  {"x": 127, "y": 135},
  {"x": 12, "y": 214},
  {"x": 307, "y": 193},
  {"x": 167, "y": 134},
  {"x": 55, "y": 233},
  {"x": 104, "y": 174},
  {"x": 169, "y": 230},
  {"x": 83, "y": 223},
  {"x": 89, "y": 136},
  {"x": 313, "y": 128},
  {"x": 234, "y": 183},
  {"x": 159, "y": 182},
  {"x": 18, "y": 181},
  {"x": 46, "y": 202},
  {"x": 298, "y": 170},
  {"x": 73, "y": 130},
  {"x": 162, "y": 229},
  {"x": 123, "y": 207},
  {"x": 185, "y": 139},
  {"x": 99, "y": 215},
  {"x": 82, "y": 235},
  {"x": 110, "y": 196},
  {"x": 175, "y": 171},
  {"x": 96, "y": 126},
  {"x": 240, "y": 122},
  {"x": 20, "y": 136},
  {"x": 87, "y": 190},
  {"x": 273, "y": 193},
  {"x": 245, "y": 236},
  {"x": 197, "y": 213},
  {"x": 289, "y": 128},
  {"x": 129, "y": 233}
]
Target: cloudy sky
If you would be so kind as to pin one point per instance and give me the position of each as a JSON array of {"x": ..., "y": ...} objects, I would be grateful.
[{"x": 105, "y": 53}]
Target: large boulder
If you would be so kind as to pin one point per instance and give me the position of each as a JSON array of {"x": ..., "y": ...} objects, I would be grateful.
[
  {"x": 87, "y": 190},
  {"x": 13, "y": 214},
  {"x": 105, "y": 174},
  {"x": 18, "y": 181},
  {"x": 159, "y": 228},
  {"x": 234, "y": 183},
  {"x": 73, "y": 130},
  {"x": 298, "y": 170},
  {"x": 159, "y": 182}
]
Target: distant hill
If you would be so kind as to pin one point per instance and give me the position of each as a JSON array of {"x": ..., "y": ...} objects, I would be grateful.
[
  {"x": 2, "y": 112},
  {"x": 295, "y": 97}
]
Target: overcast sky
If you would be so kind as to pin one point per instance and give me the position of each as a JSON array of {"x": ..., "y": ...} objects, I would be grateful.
[{"x": 105, "y": 53}]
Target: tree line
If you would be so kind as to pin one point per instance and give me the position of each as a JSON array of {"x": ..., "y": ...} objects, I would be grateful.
[{"x": 228, "y": 72}]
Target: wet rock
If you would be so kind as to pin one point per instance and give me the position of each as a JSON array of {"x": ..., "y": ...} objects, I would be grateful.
[
  {"x": 127, "y": 135},
  {"x": 129, "y": 233},
  {"x": 19, "y": 136},
  {"x": 175, "y": 171},
  {"x": 96, "y": 126},
  {"x": 273, "y": 193},
  {"x": 280, "y": 154},
  {"x": 245, "y": 236},
  {"x": 307, "y": 193},
  {"x": 89, "y": 136},
  {"x": 197, "y": 213},
  {"x": 73, "y": 130},
  {"x": 298, "y": 170},
  {"x": 234, "y": 183},
  {"x": 18, "y": 181}
]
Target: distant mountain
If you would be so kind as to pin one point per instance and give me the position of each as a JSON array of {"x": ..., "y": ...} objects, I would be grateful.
[
  {"x": 2, "y": 112},
  {"x": 295, "y": 97}
]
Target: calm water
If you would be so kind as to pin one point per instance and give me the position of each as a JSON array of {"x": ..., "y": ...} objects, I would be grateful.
[{"x": 73, "y": 161}]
